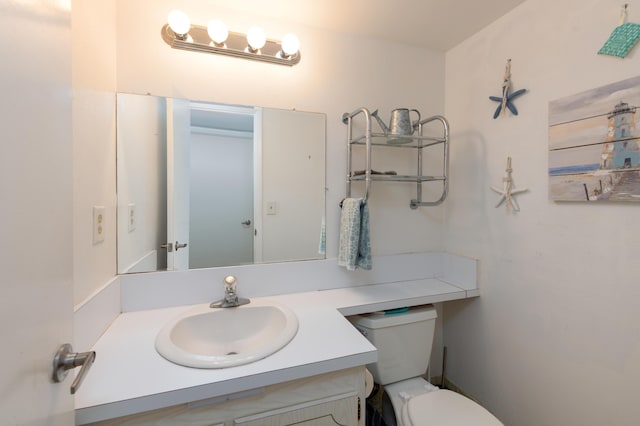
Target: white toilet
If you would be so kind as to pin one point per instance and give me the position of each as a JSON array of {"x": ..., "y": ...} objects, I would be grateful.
[{"x": 404, "y": 341}]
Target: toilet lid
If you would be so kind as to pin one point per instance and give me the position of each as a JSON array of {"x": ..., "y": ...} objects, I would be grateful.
[{"x": 446, "y": 408}]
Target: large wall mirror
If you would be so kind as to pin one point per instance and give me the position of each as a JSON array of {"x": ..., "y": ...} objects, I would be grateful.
[{"x": 203, "y": 185}]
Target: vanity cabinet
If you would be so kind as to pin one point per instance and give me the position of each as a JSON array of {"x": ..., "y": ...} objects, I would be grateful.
[
  {"x": 335, "y": 398},
  {"x": 430, "y": 132},
  {"x": 337, "y": 410}
]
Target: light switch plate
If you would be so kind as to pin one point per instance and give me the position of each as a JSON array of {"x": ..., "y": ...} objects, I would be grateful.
[
  {"x": 98, "y": 224},
  {"x": 131, "y": 215},
  {"x": 271, "y": 207}
]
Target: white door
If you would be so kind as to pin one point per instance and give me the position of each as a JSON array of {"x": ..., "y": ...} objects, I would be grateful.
[
  {"x": 178, "y": 158},
  {"x": 36, "y": 184},
  {"x": 224, "y": 165},
  {"x": 222, "y": 223},
  {"x": 257, "y": 186}
]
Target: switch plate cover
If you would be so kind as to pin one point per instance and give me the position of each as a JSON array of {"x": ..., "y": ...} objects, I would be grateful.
[
  {"x": 271, "y": 207},
  {"x": 131, "y": 217}
]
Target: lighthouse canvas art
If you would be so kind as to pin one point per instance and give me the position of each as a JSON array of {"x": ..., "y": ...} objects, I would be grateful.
[{"x": 594, "y": 144}]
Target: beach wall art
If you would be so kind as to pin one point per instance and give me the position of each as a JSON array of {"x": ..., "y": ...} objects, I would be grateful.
[{"x": 594, "y": 144}]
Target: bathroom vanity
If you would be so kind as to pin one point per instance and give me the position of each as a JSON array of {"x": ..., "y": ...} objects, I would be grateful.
[
  {"x": 318, "y": 375},
  {"x": 327, "y": 399}
]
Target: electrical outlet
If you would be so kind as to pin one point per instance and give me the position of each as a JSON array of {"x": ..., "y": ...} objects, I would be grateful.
[
  {"x": 131, "y": 215},
  {"x": 98, "y": 224},
  {"x": 271, "y": 207}
]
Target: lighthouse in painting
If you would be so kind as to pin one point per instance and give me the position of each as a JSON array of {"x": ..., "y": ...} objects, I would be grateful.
[{"x": 621, "y": 150}]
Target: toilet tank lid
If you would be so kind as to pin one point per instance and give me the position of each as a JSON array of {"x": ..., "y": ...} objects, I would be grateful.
[{"x": 387, "y": 319}]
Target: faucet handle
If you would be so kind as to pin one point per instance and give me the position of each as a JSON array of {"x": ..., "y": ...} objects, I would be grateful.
[
  {"x": 230, "y": 285},
  {"x": 231, "y": 298}
]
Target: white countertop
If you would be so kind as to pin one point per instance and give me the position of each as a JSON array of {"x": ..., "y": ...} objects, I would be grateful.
[{"x": 129, "y": 376}]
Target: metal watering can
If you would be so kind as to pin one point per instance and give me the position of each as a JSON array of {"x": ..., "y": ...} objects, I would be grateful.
[{"x": 400, "y": 123}]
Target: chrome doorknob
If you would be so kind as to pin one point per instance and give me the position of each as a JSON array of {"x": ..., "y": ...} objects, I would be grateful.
[
  {"x": 179, "y": 246},
  {"x": 65, "y": 360},
  {"x": 168, "y": 246}
]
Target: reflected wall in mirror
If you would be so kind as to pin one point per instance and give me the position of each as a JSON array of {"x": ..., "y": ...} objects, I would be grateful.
[{"x": 203, "y": 185}]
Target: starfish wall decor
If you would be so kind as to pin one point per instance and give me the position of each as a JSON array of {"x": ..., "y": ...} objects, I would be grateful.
[
  {"x": 506, "y": 100},
  {"x": 508, "y": 190}
]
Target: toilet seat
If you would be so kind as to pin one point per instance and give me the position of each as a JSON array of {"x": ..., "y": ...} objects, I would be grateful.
[{"x": 445, "y": 408}]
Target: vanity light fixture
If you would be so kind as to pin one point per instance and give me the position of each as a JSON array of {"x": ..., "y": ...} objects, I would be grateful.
[
  {"x": 179, "y": 33},
  {"x": 290, "y": 44},
  {"x": 218, "y": 32},
  {"x": 256, "y": 38},
  {"x": 179, "y": 23}
]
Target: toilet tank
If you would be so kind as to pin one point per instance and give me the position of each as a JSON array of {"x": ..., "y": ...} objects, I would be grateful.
[{"x": 403, "y": 341}]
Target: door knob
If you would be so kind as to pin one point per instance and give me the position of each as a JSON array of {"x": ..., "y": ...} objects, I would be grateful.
[
  {"x": 65, "y": 359},
  {"x": 179, "y": 246},
  {"x": 246, "y": 222},
  {"x": 168, "y": 246}
]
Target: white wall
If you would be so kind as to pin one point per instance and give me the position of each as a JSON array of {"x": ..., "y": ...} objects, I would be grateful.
[
  {"x": 94, "y": 166},
  {"x": 337, "y": 73},
  {"x": 553, "y": 340},
  {"x": 293, "y": 177},
  {"x": 142, "y": 181}
]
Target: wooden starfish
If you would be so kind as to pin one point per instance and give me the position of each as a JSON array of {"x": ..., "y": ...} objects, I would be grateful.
[
  {"x": 506, "y": 98},
  {"x": 508, "y": 190}
]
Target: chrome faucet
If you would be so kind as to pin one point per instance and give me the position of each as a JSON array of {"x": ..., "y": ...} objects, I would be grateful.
[{"x": 231, "y": 298}]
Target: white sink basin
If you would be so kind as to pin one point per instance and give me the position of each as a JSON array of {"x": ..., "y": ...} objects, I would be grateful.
[{"x": 207, "y": 337}]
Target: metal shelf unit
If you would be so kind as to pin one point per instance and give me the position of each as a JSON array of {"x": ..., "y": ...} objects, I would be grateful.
[{"x": 418, "y": 142}]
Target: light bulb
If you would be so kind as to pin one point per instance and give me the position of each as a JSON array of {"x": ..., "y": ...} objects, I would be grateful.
[
  {"x": 290, "y": 44},
  {"x": 256, "y": 38},
  {"x": 217, "y": 31},
  {"x": 179, "y": 22}
]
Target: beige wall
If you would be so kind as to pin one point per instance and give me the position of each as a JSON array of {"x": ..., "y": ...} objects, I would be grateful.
[
  {"x": 94, "y": 166},
  {"x": 337, "y": 73},
  {"x": 142, "y": 152},
  {"x": 293, "y": 178},
  {"x": 553, "y": 340}
]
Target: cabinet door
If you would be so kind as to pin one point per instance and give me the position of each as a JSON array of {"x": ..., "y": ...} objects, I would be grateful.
[{"x": 338, "y": 410}]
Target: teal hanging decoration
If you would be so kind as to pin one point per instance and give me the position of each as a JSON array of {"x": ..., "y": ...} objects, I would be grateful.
[
  {"x": 622, "y": 38},
  {"x": 506, "y": 100}
]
